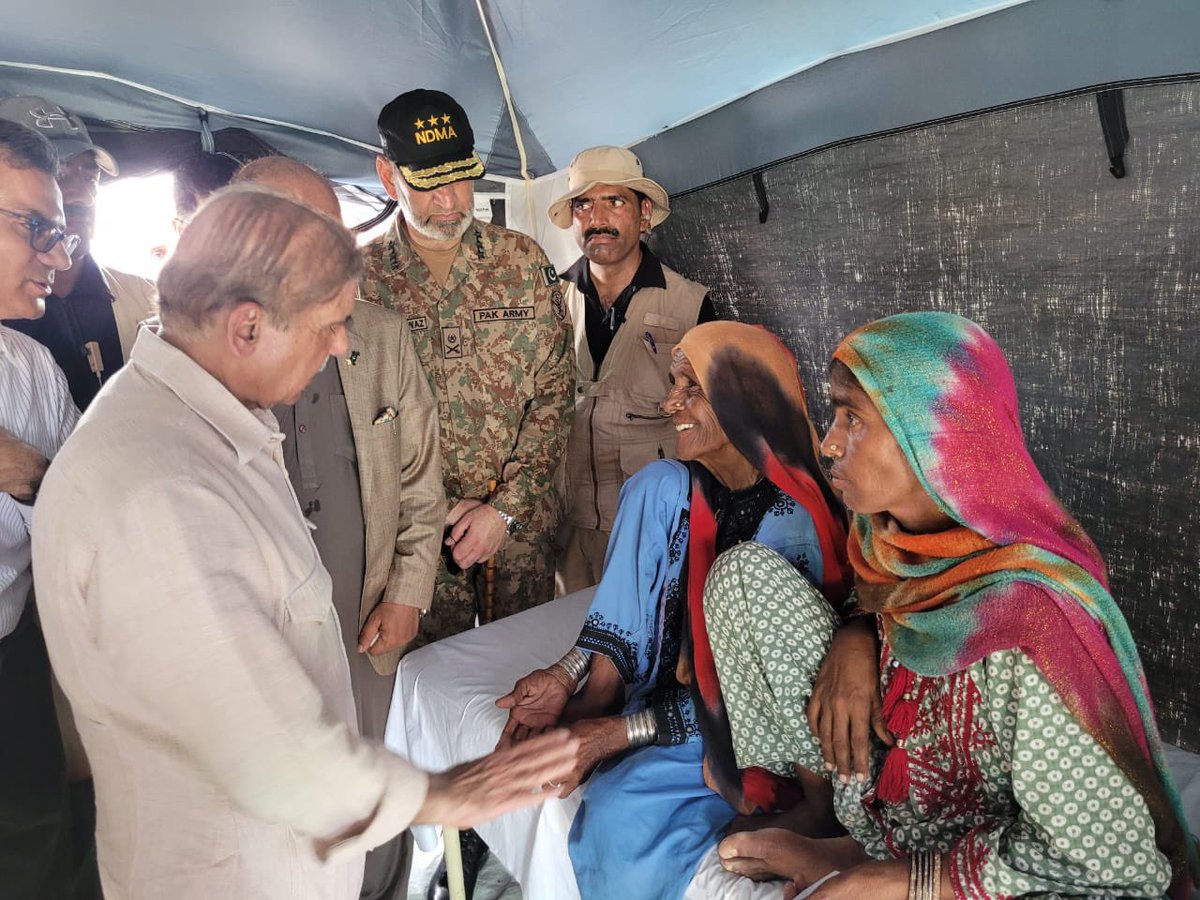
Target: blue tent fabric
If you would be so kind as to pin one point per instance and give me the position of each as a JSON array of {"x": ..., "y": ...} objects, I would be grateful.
[
  {"x": 309, "y": 76},
  {"x": 1035, "y": 50},
  {"x": 705, "y": 89}
]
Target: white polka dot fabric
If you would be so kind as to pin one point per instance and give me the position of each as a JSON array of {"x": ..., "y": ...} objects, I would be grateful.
[
  {"x": 1001, "y": 777},
  {"x": 769, "y": 630}
]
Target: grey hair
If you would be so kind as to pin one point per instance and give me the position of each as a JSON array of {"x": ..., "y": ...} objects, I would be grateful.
[
  {"x": 249, "y": 243},
  {"x": 293, "y": 179},
  {"x": 263, "y": 168}
]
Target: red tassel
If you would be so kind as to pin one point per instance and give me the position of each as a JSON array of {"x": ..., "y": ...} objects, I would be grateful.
[
  {"x": 903, "y": 718},
  {"x": 900, "y": 716},
  {"x": 902, "y": 681},
  {"x": 892, "y": 786}
]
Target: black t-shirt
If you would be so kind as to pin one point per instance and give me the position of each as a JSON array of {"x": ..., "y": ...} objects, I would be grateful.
[
  {"x": 601, "y": 324},
  {"x": 70, "y": 323}
]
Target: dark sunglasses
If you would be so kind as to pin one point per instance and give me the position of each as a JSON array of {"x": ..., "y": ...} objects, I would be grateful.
[{"x": 44, "y": 235}]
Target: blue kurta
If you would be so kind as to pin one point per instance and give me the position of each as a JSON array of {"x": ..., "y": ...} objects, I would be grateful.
[{"x": 647, "y": 817}]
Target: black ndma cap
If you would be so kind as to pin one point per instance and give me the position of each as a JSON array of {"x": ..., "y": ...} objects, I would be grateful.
[{"x": 428, "y": 136}]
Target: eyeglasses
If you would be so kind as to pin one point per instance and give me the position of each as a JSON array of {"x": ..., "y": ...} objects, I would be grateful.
[{"x": 44, "y": 235}]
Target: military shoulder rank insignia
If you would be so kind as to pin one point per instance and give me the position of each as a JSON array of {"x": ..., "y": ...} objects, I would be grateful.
[
  {"x": 549, "y": 275},
  {"x": 556, "y": 301}
]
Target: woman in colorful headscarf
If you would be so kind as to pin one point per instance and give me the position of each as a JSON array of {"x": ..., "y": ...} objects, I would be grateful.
[
  {"x": 1026, "y": 756},
  {"x": 750, "y": 472}
]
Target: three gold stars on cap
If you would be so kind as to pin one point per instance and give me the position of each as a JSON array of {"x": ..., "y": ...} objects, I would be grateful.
[{"x": 420, "y": 123}]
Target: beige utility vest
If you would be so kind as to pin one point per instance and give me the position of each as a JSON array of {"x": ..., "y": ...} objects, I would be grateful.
[{"x": 619, "y": 425}]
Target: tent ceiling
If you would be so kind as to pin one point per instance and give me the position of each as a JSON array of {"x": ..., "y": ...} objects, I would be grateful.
[{"x": 309, "y": 76}]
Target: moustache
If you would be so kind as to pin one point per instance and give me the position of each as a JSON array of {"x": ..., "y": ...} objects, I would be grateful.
[{"x": 592, "y": 232}]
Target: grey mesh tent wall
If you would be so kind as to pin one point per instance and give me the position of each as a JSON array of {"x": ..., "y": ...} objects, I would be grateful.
[
  {"x": 931, "y": 153},
  {"x": 1090, "y": 283}
]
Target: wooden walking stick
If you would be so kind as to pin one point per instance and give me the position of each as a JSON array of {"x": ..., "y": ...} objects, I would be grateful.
[{"x": 454, "y": 865}]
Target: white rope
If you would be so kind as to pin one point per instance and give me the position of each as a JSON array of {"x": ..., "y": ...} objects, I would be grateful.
[{"x": 512, "y": 117}]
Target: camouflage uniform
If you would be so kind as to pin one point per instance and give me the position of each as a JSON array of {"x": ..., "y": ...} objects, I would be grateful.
[{"x": 498, "y": 352}]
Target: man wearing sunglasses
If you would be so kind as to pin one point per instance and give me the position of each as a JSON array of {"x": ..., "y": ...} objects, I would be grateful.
[
  {"x": 36, "y": 415},
  {"x": 92, "y": 316}
]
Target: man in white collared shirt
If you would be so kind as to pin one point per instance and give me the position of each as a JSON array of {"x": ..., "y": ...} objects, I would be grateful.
[
  {"x": 36, "y": 415},
  {"x": 187, "y": 613}
]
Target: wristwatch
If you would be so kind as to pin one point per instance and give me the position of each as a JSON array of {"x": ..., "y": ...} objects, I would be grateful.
[{"x": 510, "y": 524}]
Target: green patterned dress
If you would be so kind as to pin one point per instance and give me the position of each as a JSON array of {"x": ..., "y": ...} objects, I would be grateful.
[{"x": 1018, "y": 797}]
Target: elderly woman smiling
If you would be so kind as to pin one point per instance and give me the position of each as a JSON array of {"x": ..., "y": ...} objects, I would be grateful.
[
  {"x": 750, "y": 472},
  {"x": 1026, "y": 758}
]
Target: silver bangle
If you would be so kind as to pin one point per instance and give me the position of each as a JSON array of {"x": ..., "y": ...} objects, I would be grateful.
[
  {"x": 924, "y": 875},
  {"x": 574, "y": 665},
  {"x": 641, "y": 728}
]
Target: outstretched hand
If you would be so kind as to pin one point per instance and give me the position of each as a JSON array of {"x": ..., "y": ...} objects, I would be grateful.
[
  {"x": 845, "y": 706},
  {"x": 535, "y": 703},
  {"x": 505, "y": 780}
]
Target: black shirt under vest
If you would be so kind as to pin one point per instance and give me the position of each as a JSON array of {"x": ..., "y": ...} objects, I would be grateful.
[{"x": 601, "y": 324}]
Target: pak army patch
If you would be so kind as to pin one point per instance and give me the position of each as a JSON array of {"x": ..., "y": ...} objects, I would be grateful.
[
  {"x": 556, "y": 301},
  {"x": 549, "y": 275},
  {"x": 451, "y": 342},
  {"x": 503, "y": 314}
]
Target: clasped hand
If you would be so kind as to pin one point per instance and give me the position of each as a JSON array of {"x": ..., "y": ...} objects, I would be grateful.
[
  {"x": 475, "y": 532},
  {"x": 537, "y": 702},
  {"x": 21, "y": 468}
]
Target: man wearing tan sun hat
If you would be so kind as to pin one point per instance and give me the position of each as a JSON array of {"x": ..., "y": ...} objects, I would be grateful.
[{"x": 629, "y": 310}]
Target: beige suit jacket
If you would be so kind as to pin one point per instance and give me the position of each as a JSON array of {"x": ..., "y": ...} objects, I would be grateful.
[
  {"x": 135, "y": 299},
  {"x": 394, "y": 420}
]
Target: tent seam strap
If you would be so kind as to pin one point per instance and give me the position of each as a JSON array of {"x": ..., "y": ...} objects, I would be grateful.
[
  {"x": 185, "y": 101},
  {"x": 512, "y": 112}
]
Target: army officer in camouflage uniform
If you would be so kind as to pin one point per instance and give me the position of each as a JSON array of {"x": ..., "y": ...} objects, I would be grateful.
[{"x": 489, "y": 325}]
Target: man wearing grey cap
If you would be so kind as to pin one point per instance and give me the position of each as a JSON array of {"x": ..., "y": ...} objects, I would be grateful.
[
  {"x": 628, "y": 310},
  {"x": 91, "y": 318}
]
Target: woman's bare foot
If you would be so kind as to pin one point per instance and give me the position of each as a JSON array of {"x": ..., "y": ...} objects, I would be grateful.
[{"x": 778, "y": 853}]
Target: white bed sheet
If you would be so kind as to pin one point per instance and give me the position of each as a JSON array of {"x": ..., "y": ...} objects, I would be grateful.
[{"x": 444, "y": 713}]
